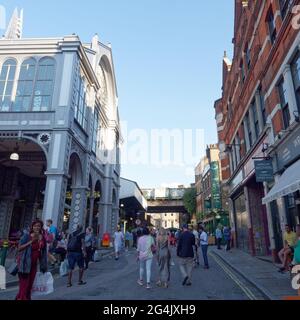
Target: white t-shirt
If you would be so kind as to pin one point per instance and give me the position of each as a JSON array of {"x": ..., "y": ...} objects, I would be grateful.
[
  {"x": 118, "y": 238},
  {"x": 204, "y": 238}
]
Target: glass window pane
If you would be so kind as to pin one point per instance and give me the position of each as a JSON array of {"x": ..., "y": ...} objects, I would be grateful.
[
  {"x": 21, "y": 88},
  {"x": 6, "y": 104},
  {"x": 18, "y": 104},
  {"x": 39, "y": 88},
  {"x": 26, "y": 103},
  {"x": 2, "y": 84},
  {"x": 9, "y": 87},
  {"x": 28, "y": 88},
  {"x": 12, "y": 71},
  {"x": 37, "y": 102},
  {"x": 47, "y": 89},
  {"x": 45, "y": 103},
  {"x": 3, "y": 73},
  {"x": 50, "y": 72}
]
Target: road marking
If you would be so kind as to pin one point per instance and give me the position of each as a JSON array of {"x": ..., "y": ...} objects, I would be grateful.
[{"x": 245, "y": 289}]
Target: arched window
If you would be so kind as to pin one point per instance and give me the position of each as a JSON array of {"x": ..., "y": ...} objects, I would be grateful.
[
  {"x": 96, "y": 130},
  {"x": 80, "y": 107},
  {"x": 43, "y": 89},
  {"x": 25, "y": 85},
  {"x": 7, "y": 78}
]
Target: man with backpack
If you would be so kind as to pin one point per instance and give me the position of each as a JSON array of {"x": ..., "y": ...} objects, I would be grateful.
[{"x": 76, "y": 254}]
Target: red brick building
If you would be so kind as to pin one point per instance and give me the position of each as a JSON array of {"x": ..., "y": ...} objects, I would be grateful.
[{"x": 257, "y": 117}]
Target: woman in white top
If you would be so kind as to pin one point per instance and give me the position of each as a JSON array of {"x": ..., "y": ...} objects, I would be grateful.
[
  {"x": 204, "y": 246},
  {"x": 145, "y": 246},
  {"x": 118, "y": 242}
]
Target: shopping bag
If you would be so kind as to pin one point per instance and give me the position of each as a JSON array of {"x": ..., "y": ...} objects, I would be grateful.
[
  {"x": 13, "y": 269},
  {"x": 64, "y": 268},
  {"x": 43, "y": 284},
  {"x": 97, "y": 256}
]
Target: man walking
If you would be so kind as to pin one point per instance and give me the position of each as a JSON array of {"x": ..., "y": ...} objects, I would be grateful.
[
  {"x": 76, "y": 254},
  {"x": 204, "y": 246},
  {"x": 219, "y": 236},
  {"x": 185, "y": 253}
]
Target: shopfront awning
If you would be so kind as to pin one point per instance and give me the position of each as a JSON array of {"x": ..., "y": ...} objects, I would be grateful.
[{"x": 288, "y": 182}]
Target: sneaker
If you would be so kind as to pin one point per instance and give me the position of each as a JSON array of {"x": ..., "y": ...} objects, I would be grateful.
[
  {"x": 185, "y": 280},
  {"x": 148, "y": 286},
  {"x": 188, "y": 283},
  {"x": 140, "y": 282}
]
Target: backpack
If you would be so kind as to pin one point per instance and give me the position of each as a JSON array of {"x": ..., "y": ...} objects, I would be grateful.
[{"x": 74, "y": 243}]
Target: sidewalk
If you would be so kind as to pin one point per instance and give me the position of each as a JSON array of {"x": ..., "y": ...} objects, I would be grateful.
[
  {"x": 12, "y": 281},
  {"x": 261, "y": 273}
]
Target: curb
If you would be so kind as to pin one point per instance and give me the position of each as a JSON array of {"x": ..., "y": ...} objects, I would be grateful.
[
  {"x": 262, "y": 290},
  {"x": 54, "y": 271}
]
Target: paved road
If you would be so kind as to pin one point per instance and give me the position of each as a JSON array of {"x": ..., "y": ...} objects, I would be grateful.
[{"x": 116, "y": 280}]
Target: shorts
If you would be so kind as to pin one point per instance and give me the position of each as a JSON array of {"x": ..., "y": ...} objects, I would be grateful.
[{"x": 75, "y": 257}]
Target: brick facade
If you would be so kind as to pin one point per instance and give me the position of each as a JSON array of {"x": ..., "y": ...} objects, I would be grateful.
[{"x": 251, "y": 112}]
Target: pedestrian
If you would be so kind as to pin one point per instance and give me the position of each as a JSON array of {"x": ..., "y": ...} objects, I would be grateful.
[
  {"x": 51, "y": 239},
  {"x": 145, "y": 256},
  {"x": 204, "y": 246},
  {"x": 31, "y": 250},
  {"x": 89, "y": 245},
  {"x": 285, "y": 253},
  {"x": 76, "y": 254},
  {"x": 127, "y": 240},
  {"x": 219, "y": 236},
  {"x": 163, "y": 258},
  {"x": 118, "y": 242},
  {"x": 185, "y": 254},
  {"x": 227, "y": 237},
  {"x": 196, "y": 246},
  {"x": 61, "y": 247}
]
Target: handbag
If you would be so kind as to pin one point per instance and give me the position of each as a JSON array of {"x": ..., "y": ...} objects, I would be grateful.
[
  {"x": 43, "y": 284},
  {"x": 13, "y": 269}
]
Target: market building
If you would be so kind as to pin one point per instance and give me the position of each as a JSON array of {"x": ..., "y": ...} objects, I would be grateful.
[{"x": 59, "y": 132}]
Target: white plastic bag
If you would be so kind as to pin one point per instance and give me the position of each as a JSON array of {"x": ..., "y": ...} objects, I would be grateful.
[
  {"x": 97, "y": 256},
  {"x": 43, "y": 284},
  {"x": 64, "y": 268}
]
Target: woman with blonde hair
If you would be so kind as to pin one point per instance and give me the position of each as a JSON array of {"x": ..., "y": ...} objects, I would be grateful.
[{"x": 163, "y": 258}]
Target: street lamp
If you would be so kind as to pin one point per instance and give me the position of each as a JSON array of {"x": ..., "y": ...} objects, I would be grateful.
[{"x": 15, "y": 156}]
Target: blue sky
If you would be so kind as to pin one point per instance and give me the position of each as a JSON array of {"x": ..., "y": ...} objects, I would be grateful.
[{"x": 167, "y": 58}]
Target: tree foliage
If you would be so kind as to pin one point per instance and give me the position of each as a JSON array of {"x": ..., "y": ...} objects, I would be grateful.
[{"x": 189, "y": 200}]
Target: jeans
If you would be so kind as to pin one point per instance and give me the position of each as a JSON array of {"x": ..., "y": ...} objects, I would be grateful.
[
  {"x": 204, "y": 253},
  {"x": 219, "y": 240},
  {"x": 148, "y": 264},
  {"x": 228, "y": 245}
]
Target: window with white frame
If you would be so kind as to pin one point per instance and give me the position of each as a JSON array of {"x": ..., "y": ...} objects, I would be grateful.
[
  {"x": 284, "y": 103},
  {"x": 272, "y": 25},
  {"x": 96, "y": 130},
  {"x": 25, "y": 86},
  {"x": 295, "y": 66},
  {"x": 7, "y": 78},
  {"x": 80, "y": 106},
  {"x": 43, "y": 89}
]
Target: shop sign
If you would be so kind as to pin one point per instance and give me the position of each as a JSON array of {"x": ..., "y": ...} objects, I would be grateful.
[
  {"x": 290, "y": 150},
  {"x": 264, "y": 171}
]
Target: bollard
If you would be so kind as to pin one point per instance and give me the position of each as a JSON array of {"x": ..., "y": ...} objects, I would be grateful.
[{"x": 3, "y": 253}]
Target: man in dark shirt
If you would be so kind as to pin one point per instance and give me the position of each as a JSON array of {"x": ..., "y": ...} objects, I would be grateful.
[
  {"x": 185, "y": 253},
  {"x": 76, "y": 253}
]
